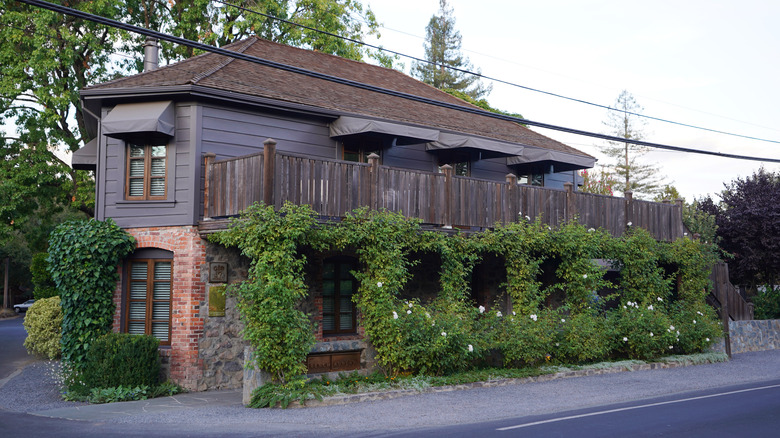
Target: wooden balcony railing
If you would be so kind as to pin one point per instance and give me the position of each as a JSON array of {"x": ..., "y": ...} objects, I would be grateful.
[{"x": 333, "y": 188}]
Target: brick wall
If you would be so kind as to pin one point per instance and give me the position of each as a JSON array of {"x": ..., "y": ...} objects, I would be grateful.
[{"x": 189, "y": 294}]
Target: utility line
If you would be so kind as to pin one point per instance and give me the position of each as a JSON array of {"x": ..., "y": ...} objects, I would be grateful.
[
  {"x": 360, "y": 85},
  {"x": 505, "y": 82}
]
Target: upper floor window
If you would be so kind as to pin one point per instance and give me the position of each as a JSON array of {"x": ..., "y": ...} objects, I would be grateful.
[
  {"x": 533, "y": 179},
  {"x": 147, "y": 172},
  {"x": 358, "y": 148},
  {"x": 338, "y": 286}
]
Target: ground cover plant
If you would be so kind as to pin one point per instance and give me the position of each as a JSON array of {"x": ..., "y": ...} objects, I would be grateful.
[{"x": 654, "y": 306}]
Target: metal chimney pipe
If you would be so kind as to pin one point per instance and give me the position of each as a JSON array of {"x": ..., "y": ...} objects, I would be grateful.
[{"x": 151, "y": 54}]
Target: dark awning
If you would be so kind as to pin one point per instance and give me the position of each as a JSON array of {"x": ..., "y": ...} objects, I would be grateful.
[
  {"x": 86, "y": 157},
  {"x": 140, "y": 122},
  {"x": 476, "y": 148},
  {"x": 538, "y": 160},
  {"x": 346, "y": 125}
]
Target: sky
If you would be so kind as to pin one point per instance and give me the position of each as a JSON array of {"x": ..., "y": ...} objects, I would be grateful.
[{"x": 712, "y": 64}]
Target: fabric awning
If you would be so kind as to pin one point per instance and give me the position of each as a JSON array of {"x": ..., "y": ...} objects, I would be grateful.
[
  {"x": 474, "y": 147},
  {"x": 140, "y": 122},
  {"x": 86, "y": 157},
  {"x": 538, "y": 160},
  {"x": 346, "y": 125}
]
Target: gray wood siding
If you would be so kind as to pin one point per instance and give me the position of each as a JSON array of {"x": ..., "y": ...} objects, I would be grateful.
[
  {"x": 176, "y": 209},
  {"x": 409, "y": 157},
  {"x": 232, "y": 133}
]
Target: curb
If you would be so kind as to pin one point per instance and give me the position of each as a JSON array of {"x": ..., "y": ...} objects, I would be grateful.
[{"x": 391, "y": 394}]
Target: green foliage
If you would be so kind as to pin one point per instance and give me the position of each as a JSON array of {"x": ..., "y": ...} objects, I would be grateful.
[
  {"x": 119, "y": 359},
  {"x": 42, "y": 282},
  {"x": 659, "y": 288},
  {"x": 700, "y": 222},
  {"x": 282, "y": 394},
  {"x": 43, "y": 323},
  {"x": 126, "y": 393},
  {"x": 280, "y": 334},
  {"x": 83, "y": 260},
  {"x": 528, "y": 339},
  {"x": 767, "y": 304}
]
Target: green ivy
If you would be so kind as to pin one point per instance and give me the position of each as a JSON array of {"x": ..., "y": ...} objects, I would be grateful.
[
  {"x": 83, "y": 260},
  {"x": 280, "y": 334}
]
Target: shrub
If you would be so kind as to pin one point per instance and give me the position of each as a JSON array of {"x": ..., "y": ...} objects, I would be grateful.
[
  {"x": 430, "y": 340},
  {"x": 43, "y": 323},
  {"x": 698, "y": 328},
  {"x": 585, "y": 337},
  {"x": 643, "y": 330},
  {"x": 767, "y": 303},
  {"x": 119, "y": 359},
  {"x": 528, "y": 339}
]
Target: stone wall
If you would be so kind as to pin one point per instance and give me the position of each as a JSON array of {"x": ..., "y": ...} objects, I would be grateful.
[
  {"x": 221, "y": 348},
  {"x": 755, "y": 335}
]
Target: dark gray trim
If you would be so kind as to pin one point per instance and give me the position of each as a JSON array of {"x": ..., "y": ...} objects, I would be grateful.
[
  {"x": 85, "y": 158},
  {"x": 196, "y": 162}
]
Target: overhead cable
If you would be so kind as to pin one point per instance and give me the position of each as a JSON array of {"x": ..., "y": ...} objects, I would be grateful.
[{"x": 293, "y": 69}]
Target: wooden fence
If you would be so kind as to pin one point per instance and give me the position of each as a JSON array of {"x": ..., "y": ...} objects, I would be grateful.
[{"x": 333, "y": 188}]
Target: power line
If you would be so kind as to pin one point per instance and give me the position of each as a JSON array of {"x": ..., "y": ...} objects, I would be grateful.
[
  {"x": 360, "y": 85},
  {"x": 505, "y": 82}
]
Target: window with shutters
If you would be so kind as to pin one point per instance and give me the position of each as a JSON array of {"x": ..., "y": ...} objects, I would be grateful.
[
  {"x": 148, "y": 309},
  {"x": 147, "y": 172},
  {"x": 338, "y": 287}
]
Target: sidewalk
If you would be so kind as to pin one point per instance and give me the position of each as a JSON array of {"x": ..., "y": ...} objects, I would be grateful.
[{"x": 179, "y": 402}]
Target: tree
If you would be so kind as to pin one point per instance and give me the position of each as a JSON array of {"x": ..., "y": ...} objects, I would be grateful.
[
  {"x": 442, "y": 51},
  {"x": 641, "y": 179},
  {"x": 599, "y": 182},
  {"x": 748, "y": 221}
]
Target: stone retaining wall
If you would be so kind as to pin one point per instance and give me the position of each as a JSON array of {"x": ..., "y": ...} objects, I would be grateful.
[{"x": 755, "y": 335}]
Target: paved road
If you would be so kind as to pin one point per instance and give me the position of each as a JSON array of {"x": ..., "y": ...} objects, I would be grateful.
[{"x": 12, "y": 351}]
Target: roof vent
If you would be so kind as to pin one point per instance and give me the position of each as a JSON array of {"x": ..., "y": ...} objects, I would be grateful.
[{"x": 151, "y": 54}]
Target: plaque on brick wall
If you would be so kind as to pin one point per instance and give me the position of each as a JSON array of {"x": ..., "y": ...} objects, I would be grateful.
[
  {"x": 217, "y": 301},
  {"x": 327, "y": 362},
  {"x": 218, "y": 272}
]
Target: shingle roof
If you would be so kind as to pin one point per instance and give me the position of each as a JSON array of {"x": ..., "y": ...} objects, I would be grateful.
[{"x": 239, "y": 76}]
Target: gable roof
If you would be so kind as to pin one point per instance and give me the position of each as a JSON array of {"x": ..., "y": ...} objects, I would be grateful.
[{"x": 218, "y": 72}]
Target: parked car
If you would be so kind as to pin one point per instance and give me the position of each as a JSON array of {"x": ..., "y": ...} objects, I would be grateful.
[{"x": 19, "y": 308}]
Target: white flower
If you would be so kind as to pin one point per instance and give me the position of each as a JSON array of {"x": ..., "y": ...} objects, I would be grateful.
[
  {"x": 444, "y": 333},
  {"x": 707, "y": 339},
  {"x": 379, "y": 284},
  {"x": 498, "y": 314},
  {"x": 513, "y": 313},
  {"x": 660, "y": 299},
  {"x": 671, "y": 327},
  {"x": 651, "y": 334},
  {"x": 624, "y": 307},
  {"x": 528, "y": 218},
  {"x": 700, "y": 314},
  {"x": 563, "y": 320},
  {"x": 549, "y": 228},
  {"x": 629, "y": 224},
  {"x": 678, "y": 333},
  {"x": 585, "y": 276},
  {"x": 625, "y": 339},
  {"x": 590, "y": 230},
  {"x": 395, "y": 315},
  {"x": 408, "y": 312},
  {"x": 694, "y": 321},
  {"x": 410, "y": 305},
  {"x": 471, "y": 348},
  {"x": 685, "y": 233},
  {"x": 650, "y": 307},
  {"x": 481, "y": 309},
  {"x": 433, "y": 324},
  {"x": 670, "y": 347},
  {"x": 533, "y": 317},
  {"x": 427, "y": 315}
]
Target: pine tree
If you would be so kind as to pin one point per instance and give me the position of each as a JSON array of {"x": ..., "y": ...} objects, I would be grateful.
[
  {"x": 442, "y": 50},
  {"x": 642, "y": 179}
]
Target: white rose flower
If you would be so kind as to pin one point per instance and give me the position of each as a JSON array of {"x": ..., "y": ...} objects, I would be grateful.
[
  {"x": 471, "y": 348},
  {"x": 625, "y": 339},
  {"x": 651, "y": 334},
  {"x": 408, "y": 312},
  {"x": 498, "y": 314},
  {"x": 481, "y": 309},
  {"x": 533, "y": 317},
  {"x": 395, "y": 315},
  {"x": 379, "y": 284},
  {"x": 444, "y": 333}
]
